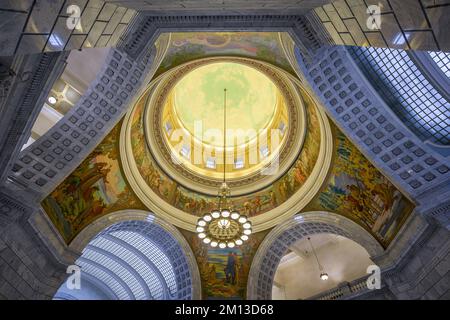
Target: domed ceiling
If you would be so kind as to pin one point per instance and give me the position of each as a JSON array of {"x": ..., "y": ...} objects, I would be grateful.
[
  {"x": 139, "y": 165},
  {"x": 142, "y": 164},
  {"x": 194, "y": 112},
  {"x": 162, "y": 167},
  {"x": 251, "y": 99}
]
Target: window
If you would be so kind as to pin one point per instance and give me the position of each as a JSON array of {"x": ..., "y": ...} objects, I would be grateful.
[
  {"x": 442, "y": 59},
  {"x": 133, "y": 260},
  {"x": 239, "y": 163},
  {"x": 185, "y": 151},
  {"x": 264, "y": 151},
  {"x": 168, "y": 127},
  {"x": 211, "y": 163},
  {"x": 406, "y": 91}
]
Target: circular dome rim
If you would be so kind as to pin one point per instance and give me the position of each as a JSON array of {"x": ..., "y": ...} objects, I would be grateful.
[{"x": 292, "y": 140}]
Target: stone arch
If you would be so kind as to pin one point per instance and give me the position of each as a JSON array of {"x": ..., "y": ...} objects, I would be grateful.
[
  {"x": 63, "y": 147},
  {"x": 277, "y": 242},
  {"x": 364, "y": 116},
  {"x": 165, "y": 235}
]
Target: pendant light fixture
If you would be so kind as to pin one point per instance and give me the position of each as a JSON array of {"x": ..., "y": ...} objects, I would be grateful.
[
  {"x": 323, "y": 275},
  {"x": 224, "y": 227}
]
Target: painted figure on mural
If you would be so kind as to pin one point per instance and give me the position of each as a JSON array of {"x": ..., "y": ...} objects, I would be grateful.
[
  {"x": 80, "y": 192},
  {"x": 282, "y": 189},
  {"x": 273, "y": 199},
  {"x": 231, "y": 268},
  {"x": 247, "y": 206},
  {"x": 299, "y": 176},
  {"x": 257, "y": 205}
]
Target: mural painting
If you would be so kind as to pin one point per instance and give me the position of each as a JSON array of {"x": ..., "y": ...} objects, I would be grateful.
[
  {"x": 95, "y": 188},
  {"x": 189, "y": 46},
  {"x": 224, "y": 272},
  {"x": 359, "y": 191}
]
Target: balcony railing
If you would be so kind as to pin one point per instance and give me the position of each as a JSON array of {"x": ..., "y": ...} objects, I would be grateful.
[{"x": 345, "y": 290}]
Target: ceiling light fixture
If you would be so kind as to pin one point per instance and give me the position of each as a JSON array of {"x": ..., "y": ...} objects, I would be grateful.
[
  {"x": 52, "y": 100},
  {"x": 224, "y": 227},
  {"x": 323, "y": 275}
]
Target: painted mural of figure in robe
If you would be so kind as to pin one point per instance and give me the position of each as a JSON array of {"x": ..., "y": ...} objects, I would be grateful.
[{"x": 231, "y": 269}]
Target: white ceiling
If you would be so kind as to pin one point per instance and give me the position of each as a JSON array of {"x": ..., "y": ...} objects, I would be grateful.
[
  {"x": 297, "y": 276},
  {"x": 81, "y": 69},
  {"x": 83, "y": 66}
]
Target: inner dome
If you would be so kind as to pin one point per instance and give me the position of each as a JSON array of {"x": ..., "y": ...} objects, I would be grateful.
[
  {"x": 199, "y": 98},
  {"x": 257, "y": 119},
  {"x": 161, "y": 164}
]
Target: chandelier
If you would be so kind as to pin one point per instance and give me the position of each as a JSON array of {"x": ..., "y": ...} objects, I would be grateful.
[
  {"x": 323, "y": 275},
  {"x": 224, "y": 227}
]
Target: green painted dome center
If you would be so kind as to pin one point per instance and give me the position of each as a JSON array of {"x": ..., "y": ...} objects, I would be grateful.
[{"x": 199, "y": 98}]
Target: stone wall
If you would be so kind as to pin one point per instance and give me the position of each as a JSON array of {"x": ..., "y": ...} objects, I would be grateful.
[
  {"x": 424, "y": 273},
  {"x": 40, "y": 26},
  {"x": 28, "y": 270},
  {"x": 403, "y": 24}
]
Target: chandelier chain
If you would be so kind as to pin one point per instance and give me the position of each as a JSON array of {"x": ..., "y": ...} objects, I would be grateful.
[
  {"x": 314, "y": 252},
  {"x": 224, "y": 227},
  {"x": 224, "y": 130}
]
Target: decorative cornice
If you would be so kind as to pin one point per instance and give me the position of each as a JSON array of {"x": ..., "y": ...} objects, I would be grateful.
[
  {"x": 44, "y": 164},
  {"x": 146, "y": 29},
  {"x": 6, "y": 77},
  {"x": 11, "y": 209},
  {"x": 34, "y": 77}
]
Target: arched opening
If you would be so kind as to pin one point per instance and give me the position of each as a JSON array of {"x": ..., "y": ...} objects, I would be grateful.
[
  {"x": 298, "y": 273},
  {"x": 131, "y": 260},
  {"x": 285, "y": 236}
]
